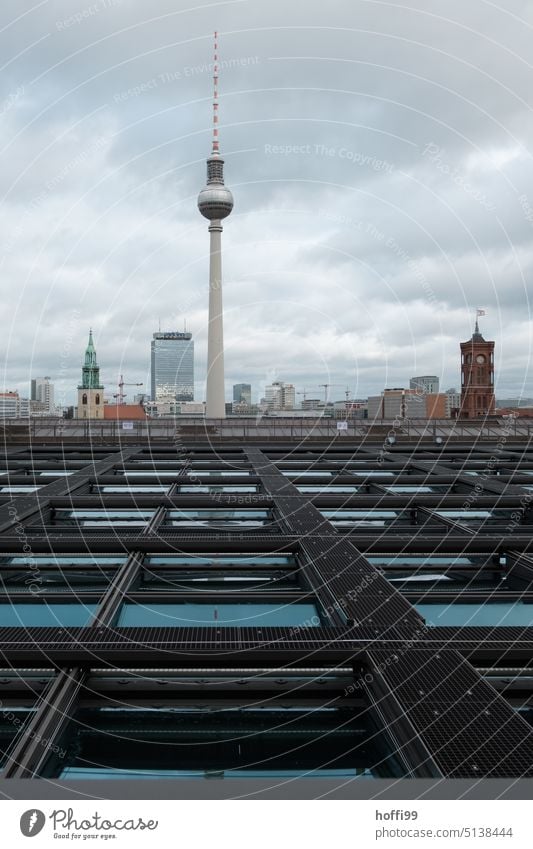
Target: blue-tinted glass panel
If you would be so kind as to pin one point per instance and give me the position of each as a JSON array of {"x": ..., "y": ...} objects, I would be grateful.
[
  {"x": 269, "y": 742},
  {"x": 217, "y": 518},
  {"x": 394, "y": 578},
  {"x": 86, "y": 773},
  {"x": 424, "y": 559},
  {"x": 226, "y": 560},
  {"x": 369, "y": 473},
  {"x": 477, "y": 517},
  {"x": 151, "y": 465},
  {"x": 134, "y": 488},
  {"x": 17, "y": 489},
  {"x": 218, "y": 473},
  {"x": 369, "y": 518},
  {"x": 306, "y": 474},
  {"x": 233, "y": 464},
  {"x": 63, "y": 560},
  {"x": 487, "y": 614},
  {"x": 245, "y": 615},
  {"x": 328, "y": 489},
  {"x": 69, "y": 573},
  {"x": 417, "y": 488},
  {"x": 218, "y": 488},
  {"x": 215, "y": 581},
  {"x": 12, "y": 719},
  {"x": 211, "y": 574},
  {"x": 37, "y": 581},
  {"x": 146, "y": 473},
  {"x": 43, "y": 615},
  {"x": 101, "y": 518}
]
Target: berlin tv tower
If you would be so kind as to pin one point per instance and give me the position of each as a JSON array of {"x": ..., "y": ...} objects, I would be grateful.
[{"x": 215, "y": 202}]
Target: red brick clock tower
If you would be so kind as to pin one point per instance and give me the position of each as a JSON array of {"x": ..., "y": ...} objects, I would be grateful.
[{"x": 477, "y": 377}]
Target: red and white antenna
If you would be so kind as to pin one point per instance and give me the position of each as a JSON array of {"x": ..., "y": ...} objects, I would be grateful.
[{"x": 216, "y": 151}]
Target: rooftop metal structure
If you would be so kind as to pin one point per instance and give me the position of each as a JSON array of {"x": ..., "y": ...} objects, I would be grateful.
[{"x": 218, "y": 609}]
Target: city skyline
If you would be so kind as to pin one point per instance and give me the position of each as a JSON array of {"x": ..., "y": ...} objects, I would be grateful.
[
  {"x": 184, "y": 362},
  {"x": 380, "y": 228},
  {"x": 266, "y": 484}
]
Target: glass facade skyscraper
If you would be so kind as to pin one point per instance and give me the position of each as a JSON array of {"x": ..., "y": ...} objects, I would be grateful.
[
  {"x": 172, "y": 366},
  {"x": 242, "y": 393}
]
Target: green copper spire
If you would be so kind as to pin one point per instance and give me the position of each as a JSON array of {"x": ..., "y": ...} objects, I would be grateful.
[{"x": 90, "y": 373}]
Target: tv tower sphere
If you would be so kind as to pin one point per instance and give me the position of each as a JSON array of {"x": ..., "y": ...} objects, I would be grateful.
[{"x": 215, "y": 201}]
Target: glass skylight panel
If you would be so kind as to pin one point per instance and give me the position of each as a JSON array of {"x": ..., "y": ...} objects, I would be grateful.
[
  {"x": 219, "y": 473},
  {"x": 136, "y": 488},
  {"x": 148, "y": 474},
  {"x": 217, "y": 518},
  {"x": 370, "y": 517},
  {"x": 44, "y": 615},
  {"x": 372, "y": 473},
  {"x": 210, "y": 615},
  {"x": 214, "y": 488},
  {"x": 222, "y": 560},
  {"x": 493, "y": 614},
  {"x": 223, "y": 742},
  {"x": 416, "y": 488},
  {"x": 307, "y": 474},
  {"x": 421, "y": 560},
  {"x": 62, "y": 560},
  {"x": 467, "y": 517},
  {"x": 18, "y": 488},
  {"x": 101, "y": 518},
  {"x": 331, "y": 489}
]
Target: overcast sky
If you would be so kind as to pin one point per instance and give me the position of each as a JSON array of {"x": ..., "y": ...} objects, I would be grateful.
[{"x": 380, "y": 160}]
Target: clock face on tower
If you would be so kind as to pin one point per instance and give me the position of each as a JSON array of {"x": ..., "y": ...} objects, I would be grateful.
[{"x": 480, "y": 359}]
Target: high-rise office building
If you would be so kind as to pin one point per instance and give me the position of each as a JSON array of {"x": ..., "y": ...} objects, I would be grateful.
[
  {"x": 427, "y": 383},
  {"x": 172, "y": 366},
  {"x": 12, "y": 406},
  {"x": 280, "y": 396},
  {"x": 242, "y": 394},
  {"x": 42, "y": 392}
]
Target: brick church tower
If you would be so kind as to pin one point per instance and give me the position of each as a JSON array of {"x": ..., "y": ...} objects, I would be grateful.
[{"x": 477, "y": 377}]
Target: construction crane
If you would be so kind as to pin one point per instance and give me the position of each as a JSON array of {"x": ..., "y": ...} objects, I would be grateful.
[
  {"x": 304, "y": 393},
  {"x": 327, "y": 386},
  {"x": 121, "y": 384}
]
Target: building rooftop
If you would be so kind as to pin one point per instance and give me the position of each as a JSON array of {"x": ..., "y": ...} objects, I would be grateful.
[{"x": 363, "y": 599}]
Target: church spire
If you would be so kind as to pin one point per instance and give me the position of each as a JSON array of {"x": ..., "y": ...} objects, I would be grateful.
[{"x": 90, "y": 373}]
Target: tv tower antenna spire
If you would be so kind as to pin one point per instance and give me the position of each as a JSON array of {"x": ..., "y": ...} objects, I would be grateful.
[
  {"x": 215, "y": 149},
  {"x": 215, "y": 202}
]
